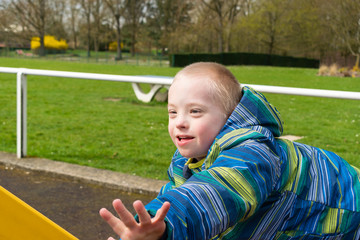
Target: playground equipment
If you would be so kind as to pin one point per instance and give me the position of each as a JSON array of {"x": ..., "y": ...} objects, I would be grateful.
[{"x": 18, "y": 220}]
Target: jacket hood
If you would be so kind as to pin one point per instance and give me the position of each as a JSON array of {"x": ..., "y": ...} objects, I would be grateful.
[{"x": 256, "y": 113}]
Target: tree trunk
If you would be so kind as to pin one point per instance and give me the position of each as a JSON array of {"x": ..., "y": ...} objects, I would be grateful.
[
  {"x": 356, "y": 67},
  {"x": 118, "y": 39},
  {"x": 220, "y": 36},
  {"x": 133, "y": 39},
  {"x": 88, "y": 41},
  {"x": 42, "y": 45},
  {"x": 42, "y": 27},
  {"x": 75, "y": 41}
]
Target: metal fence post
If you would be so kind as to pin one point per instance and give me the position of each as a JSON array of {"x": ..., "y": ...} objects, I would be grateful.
[{"x": 21, "y": 118}]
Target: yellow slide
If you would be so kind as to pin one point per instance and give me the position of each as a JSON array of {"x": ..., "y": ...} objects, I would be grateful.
[{"x": 19, "y": 221}]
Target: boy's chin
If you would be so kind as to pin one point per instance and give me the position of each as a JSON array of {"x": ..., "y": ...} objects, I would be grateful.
[
  {"x": 189, "y": 155},
  {"x": 185, "y": 154}
]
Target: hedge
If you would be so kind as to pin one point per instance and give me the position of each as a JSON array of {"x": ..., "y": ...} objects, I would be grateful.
[{"x": 181, "y": 60}]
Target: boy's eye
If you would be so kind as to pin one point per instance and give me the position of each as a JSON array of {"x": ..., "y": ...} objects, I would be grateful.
[
  {"x": 172, "y": 112},
  {"x": 195, "y": 111}
]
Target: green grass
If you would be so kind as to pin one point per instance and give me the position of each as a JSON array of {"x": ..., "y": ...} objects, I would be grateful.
[
  {"x": 104, "y": 57},
  {"x": 102, "y": 124}
]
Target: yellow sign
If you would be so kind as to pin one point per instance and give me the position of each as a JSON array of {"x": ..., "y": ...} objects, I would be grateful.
[{"x": 18, "y": 220}]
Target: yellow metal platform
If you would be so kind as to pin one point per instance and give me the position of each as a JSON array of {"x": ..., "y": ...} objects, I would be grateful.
[{"x": 19, "y": 221}]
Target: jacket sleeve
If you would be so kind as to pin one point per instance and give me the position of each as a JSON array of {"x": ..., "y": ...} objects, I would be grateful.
[
  {"x": 176, "y": 163},
  {"x": 214, "y": 200}
]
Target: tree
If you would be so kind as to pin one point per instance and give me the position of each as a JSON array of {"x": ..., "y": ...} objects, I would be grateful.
[
  {"x": 270, "y": 23},
  {"x": 117, "y": 8},
  {"x": 225, "y": 15},
  {"x": 32, "y": 14},
  {"x": 87, "y": 9},
  {"x": 55, "y": 24},
  {"x": 6, "y": 18},
  {"x": 243, "y": 34},
  {"x": 302, "y": 35},
  {"x": 343, "y": 18},
  {"x": 97, "y": 13},
  {"x": 134, "y": 14},
  {"x": 74, "y": 9},
  {"x": 181, "y": 25},
  {"x": 164, "y": 19}
]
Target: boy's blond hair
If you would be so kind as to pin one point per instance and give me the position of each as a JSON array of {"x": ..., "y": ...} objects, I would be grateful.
[{"x": 224, "y": 87}]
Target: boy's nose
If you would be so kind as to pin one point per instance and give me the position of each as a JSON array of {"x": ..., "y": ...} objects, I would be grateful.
[{"x": 181, "y": 122}]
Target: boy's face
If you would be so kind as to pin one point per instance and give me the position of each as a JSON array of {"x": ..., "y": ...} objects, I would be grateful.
[{"x": 195, "y": 119}]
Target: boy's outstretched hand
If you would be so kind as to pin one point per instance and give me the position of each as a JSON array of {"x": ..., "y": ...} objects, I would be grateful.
[{"x": 126, "y": 226}]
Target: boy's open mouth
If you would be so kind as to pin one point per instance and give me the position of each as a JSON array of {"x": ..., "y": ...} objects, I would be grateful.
[{"x": 184, "y": 138}]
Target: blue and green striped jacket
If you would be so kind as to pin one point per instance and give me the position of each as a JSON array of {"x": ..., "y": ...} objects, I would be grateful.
[{"x": 253, "y": 185}]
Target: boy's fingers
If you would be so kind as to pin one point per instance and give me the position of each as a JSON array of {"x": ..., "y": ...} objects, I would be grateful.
[
  {"x": 105, "y": 214},
  {"x": 144, "y": 216},
  {"x": 125, "y": 216},
  {"x": 113, "y": 221}
]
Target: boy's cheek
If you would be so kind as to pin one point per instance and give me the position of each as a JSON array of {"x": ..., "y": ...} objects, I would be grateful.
[{"x": 170, "y": 131}]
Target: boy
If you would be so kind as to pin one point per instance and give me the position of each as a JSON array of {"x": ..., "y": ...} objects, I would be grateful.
[{"x": 232, "y": 178}]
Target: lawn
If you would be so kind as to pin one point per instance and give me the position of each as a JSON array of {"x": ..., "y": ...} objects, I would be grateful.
[{"x": 102, "y": 124}]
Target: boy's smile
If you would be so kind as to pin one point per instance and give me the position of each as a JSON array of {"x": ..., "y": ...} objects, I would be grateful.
[
  {"x": 183, "y": 140},
  {"x": 195, "y": 119}
]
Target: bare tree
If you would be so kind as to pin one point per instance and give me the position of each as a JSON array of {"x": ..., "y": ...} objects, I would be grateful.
[
  {"x": 55, "y": 23},
  {"x": 302, "y": 36},
  {"x": 32, "y": 13},
  {"x": 270, "y": 23},
  {"x": 117, "y": 8},
  {"x": 165, "y": 18},
  {"x": 217, "y": 6},
  {"x": 97, "y": 13},
  {"x": 87, "y": 9},
  {"x": 160, "y": 21},
  {"x": 6, "y": 18},
  {"x": 343, "y": 18},
  {"x": 182, "y": 21},
  {"x": 74, "y": 10},
  {"x": 226, "y": 13},
  {"x": 134, "y": 14}
]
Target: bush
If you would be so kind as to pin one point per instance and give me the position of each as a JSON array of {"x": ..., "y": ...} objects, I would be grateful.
[
  {"x": 323, "y": 70},
  {"x": 333, "y": 70},
  {"x": 113, "y": 46},
  {"x": 51, "y": 44}
]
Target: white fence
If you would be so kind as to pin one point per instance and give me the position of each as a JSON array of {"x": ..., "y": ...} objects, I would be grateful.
[{"x": 156, "y": 84}]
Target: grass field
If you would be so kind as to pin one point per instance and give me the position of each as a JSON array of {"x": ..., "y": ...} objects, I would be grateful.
[
  {"x": 104, "y": 57},
  {"x": 102, "y": 124}
]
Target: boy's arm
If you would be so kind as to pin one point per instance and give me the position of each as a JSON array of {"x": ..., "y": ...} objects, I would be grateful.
[
  {"x": 216, "y": 199},
  {"x": 167, "y": 187},
  {"x": 176, "y": 160}
]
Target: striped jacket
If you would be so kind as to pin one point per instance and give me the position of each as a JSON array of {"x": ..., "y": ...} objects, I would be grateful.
[{"x": 253, "y": 185}]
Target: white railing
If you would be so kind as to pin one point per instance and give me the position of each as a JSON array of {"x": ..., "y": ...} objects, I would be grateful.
[{"x": 156, "y": 84}]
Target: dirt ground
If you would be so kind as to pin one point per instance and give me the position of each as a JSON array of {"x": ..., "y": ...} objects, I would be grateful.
[{"x": 72, "y": 204}]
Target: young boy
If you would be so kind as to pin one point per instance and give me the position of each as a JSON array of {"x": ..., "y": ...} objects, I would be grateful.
[{"x": 232, "y": 178}]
